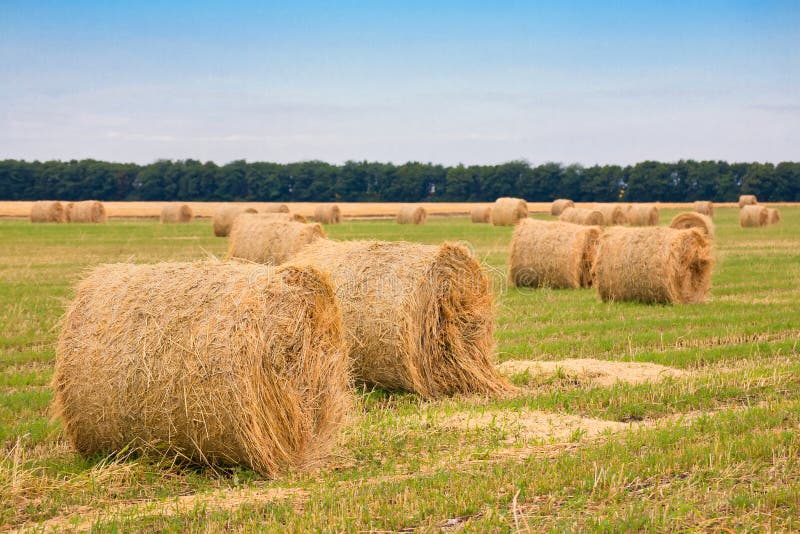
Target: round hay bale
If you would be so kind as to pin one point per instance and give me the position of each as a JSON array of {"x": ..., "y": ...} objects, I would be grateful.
[
  {"x": 706, "y": 207},
  {"x": 296, "y": 217},
  {"x": 46, "y": 211},
  {"x": 176, "y": 213},
  {"x": 224, "y": 216},
  {"x": 613, "y": 214},
  {"x": 653, "y": 265},
  {"x": 559, "y": 205},
  {"x": 773, "y": 216},
  {"x": 642, "y": 215},
  {"x": 508, "y": 211},
  {"x": 416, "y": 317},
  {"x": 552, "y": 254},
  {"x": 753, "y": 216},
  {"x": 481, "y": 214},
  {"x": 692, "y": 219},
  {"x": 87, "y": 211},
  {"x": 328, "y": 214},
  {"x": 275, "y": 208},
  {"x": 263, "y": 239},
  {"x": 747, "y": 200},
  {"x": 412, "y": 215},
  {"x": 247, "y": 367},
  {"x": 581, "y": 216}
]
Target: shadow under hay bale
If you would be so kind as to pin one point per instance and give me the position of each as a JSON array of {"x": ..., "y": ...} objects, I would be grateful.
[
  {"x": 176, "y": 213},
  {"x": 508, "y": 211},
  {"x": 328, "y": 214},
  {"x": 753, "y": 216},
  {"x": 481, "y": 214},
  {"x": 582, "y": 216},
  {"x": 224, "y": 217},
  {"x": 247, "y": 367},
  {"x": 87, "y": 211},
  {"x": 412, "y": 215},
  {"x": 692, "y": 219},
  {"x": 747, "y": 200},
  {"x": 559, "y": 205},
  {"x": 705, "y": 207},
  {"x": 48, "y": 211},
  {"x": 552, "y": 254},
  {"x": 417, "y": 317},
  {"x": 653, "y": 265},
  {"x": 641, "y": 215},
  {"x": 613, "y": 214},
  {"x": 262, "y": 239}
]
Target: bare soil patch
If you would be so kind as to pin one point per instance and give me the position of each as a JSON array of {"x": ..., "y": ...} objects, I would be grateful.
[{"x": 600, "y": 372}]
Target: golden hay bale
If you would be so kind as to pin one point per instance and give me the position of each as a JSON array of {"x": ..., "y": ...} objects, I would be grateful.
[
  {"x": 559, "y": 205},
  {"x": 481, "y": 214},
  {"x": 224, "y": 217},
  {"x": 773, "y": 216},
  {"x": 552, "y": 254},
  {"x": 176, "y": 213},
  {"x": 263, "y": 239},
  {"x": 751, "y": 216},
  {"x": 692, "y": 219},
  {"x": 642, "y": 215},
  {"x": 68, "y": 207},
  {"x": 45, "y": 211},
  {"x": 706, "y": 207},
  {"x": 653, "y": 265},
  {"x": 613, "y": 214},
  {"x": 219, "y": 363},
  {"x": 581, "y": 216},
  {"x": 412, "y": 215},
  {"x": 328, "y": 214},
  {"x": 87, "y": 211},
  {"x": 508, "y": 211},
  {"x": 747, "y": 200},
  {"x": 275, "y": 208},
  {"x": 417, "y": 317},
  {"x": 296, "y": 217}
]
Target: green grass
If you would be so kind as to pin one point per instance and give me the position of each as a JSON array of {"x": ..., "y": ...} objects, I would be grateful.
[{"x": 714, "y": 449}]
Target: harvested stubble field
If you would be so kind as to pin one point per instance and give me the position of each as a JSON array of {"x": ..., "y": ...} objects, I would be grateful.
[{"x": 709, "y": 441}]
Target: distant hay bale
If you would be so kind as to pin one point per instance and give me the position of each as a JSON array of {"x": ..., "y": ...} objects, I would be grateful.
[
  {"x": 773, "y": 216},
  {"x": 642, "y": 215},
  {"x": 747, "y": 200},
  {"x": 481, "y": 214},
  {"x": 275, "y": 208},
  {"x": 225, "y": 364},
  {"x": 559, "y": 205},
  {"x": 706, "y": 207},
  {"x": 224, "y": 217},
  {"x": 508, "y": 211},
  {"x": 552, "y": 254},
  {"x": 262, "y": 239},
  {"x": 613, "y": 214},
  {"x": 176, "y": 213},
  {"x": 751, "y": 216},
  {"x": 328, "y": 214},
  {"x": 653, "y": 265},
  {"x": 581, "y": 216},
  {"x": 417, "y": 317},
  {"x": 87, "y": 211},
  {"x": 412, "y": 215},
  {"x": 692, "y": 219},
  {"x": 46, "y": 211},
  {"x": 68, "y": 207},
  {"x": 296, "y": 217}
]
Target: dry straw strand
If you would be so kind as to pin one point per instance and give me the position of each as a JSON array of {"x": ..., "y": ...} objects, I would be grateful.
[
  {"x": 416, "y": 317},
  {"x": 747, "y": 200},
  {"x": 508, "y": 211},
  {"x": 46, "y": 211},
  {"x": 613, "y": 214},
  {"x": 692, "y": 219},
  {"x": 552, "y": 254},
  {"x": 176, "y": 213},
  {"x": 773, "y": 216},
  {"x": 753, "y": 216},
  {"x": 412, "y": 215},
  {"x": 706, "y": 207},
  {"x": 246, "y": 367},
  {"x": 87, "y": 211},
  {"x": 262, "y": 239},
  {"x": 585, "y": 216},
  {"x": 653, "y": 265},
  {"x": 481, "y": 214},
  {"x": 642, "y": 215},
  {"x": 328, "y": 214},
  {"x": 559, "y": 205},
  {"x": 224, "y": 216}
]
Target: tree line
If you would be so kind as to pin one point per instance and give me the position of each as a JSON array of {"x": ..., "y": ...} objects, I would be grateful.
[{"x": 363, "y": 181}]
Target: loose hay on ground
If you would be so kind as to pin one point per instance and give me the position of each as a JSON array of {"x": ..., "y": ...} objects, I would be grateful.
[
  {"x": 508, "y": 211},
  {"x": 176, "y": 213},
  {"x": 46, "y": 211},
  {"x": 753, "y": 216},
  {"x": 581, "y": 216},
  {"x": 693, "y": 219},
  {"x": 560, "y": 205},
  {"x": 601, "y": 372},
  {"x": 481, "y": 214},
  {"x": 328, "y": 214},
  {"x": 224, "y": 216},
  {"x": 412, "y": 215},
  {"x": 262, "y": 239}
]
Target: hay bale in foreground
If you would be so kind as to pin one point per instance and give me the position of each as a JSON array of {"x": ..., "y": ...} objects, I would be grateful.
[
  {"x": 47, "y": 211},
  {"x": 275, "y": 208},
  {"x": 219, "y": 363},
  {"x": 481, "y": 214},
  {"x": 559, "y": 205},
  {"x": 262, "y": 239},
  {"x": 224, "y": 217},
  {"x": 508, "y": 211},
  {"x": 773, "y": 216},
  {"x": 416, "y": 317},
  {"x": 706, "y": 207},
  {"x": 176, "y": 213},
  {"x": 642, "y": 215},
  {"x": 613, "y": 214},
  {"x": 692, "y": 219},
  {"x": 412, "y": 215},
  {"x": 87, "y": 211},
  {"x": 653, "y": 265},
  {"x": 751, "y": 216},
  {"x": 328, "y": 214},
  {"x": 552, "y": 254},
  {"x": 581, "y": 216},
  {"x": 747, "y": 200}
]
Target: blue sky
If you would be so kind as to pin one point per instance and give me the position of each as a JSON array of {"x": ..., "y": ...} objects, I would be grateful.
[{"x": 447, "y": 82}]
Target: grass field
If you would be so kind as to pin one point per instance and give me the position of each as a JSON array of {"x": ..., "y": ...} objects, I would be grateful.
[{"x": 711, "y": 445}]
